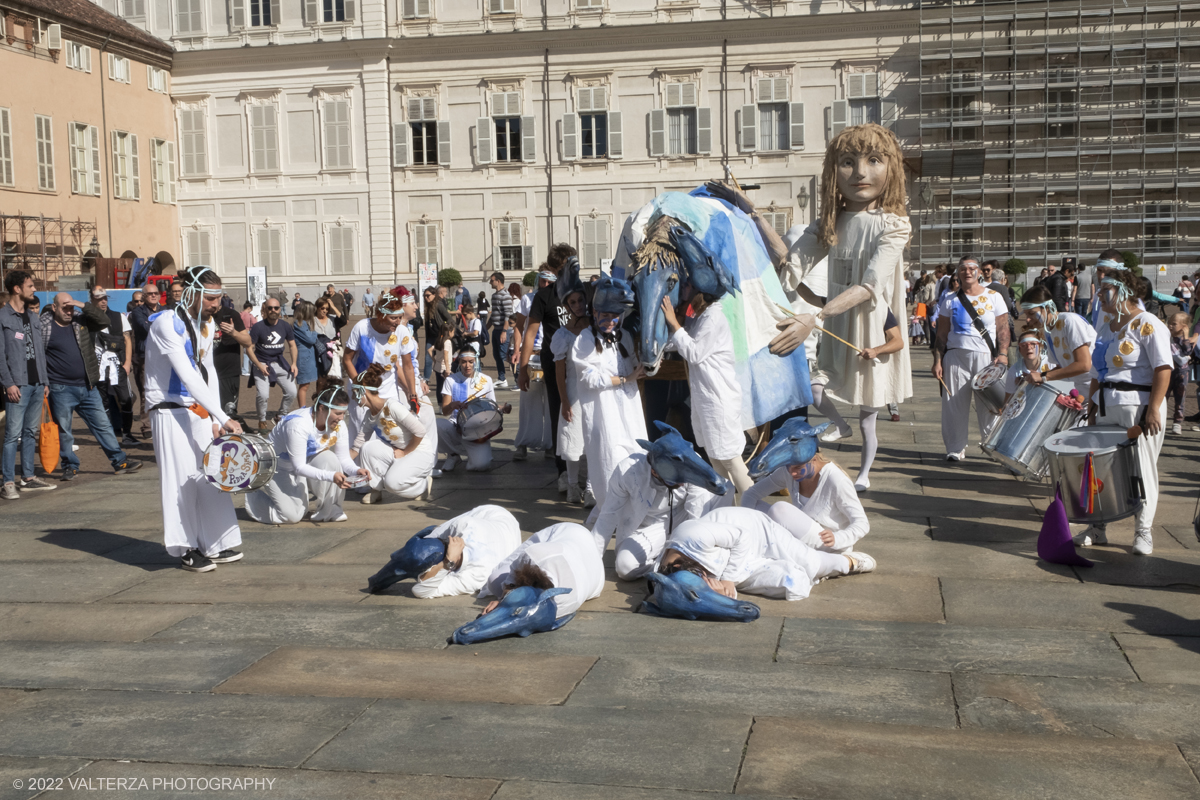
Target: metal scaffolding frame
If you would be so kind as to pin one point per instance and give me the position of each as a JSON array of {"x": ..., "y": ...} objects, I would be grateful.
[
  {"x": 1055, "y": 128},
  {"x": 48, "y": 247}
]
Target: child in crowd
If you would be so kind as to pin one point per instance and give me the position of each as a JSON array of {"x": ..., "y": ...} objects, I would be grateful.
[
  {"x": 1183, "y": 348},
  {"x": 916, "y": 329}
]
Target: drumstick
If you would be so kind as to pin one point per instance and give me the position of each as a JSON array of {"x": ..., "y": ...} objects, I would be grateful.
[
  {"x": 792, "y": 313},
  {"x": 944, "y": 386}
]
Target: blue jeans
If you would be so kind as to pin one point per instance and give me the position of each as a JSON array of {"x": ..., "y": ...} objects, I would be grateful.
[
  {"x": 427, "y": 372},
  {"x": 501, "y": 351},
  {"x": 64, "y": 401},
  {"x": 21, "y": 426}
]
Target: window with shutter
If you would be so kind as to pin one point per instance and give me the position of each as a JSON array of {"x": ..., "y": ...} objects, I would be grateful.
[
  {"x": 332, "y": 10},
  {"x": 658, "y": 133},
  {"x": 401, "y": 145},
  {"x": 264, "y": 139},
  {"x": 79, "y": 56},
  {"x": 425, "y": 243},
  {"x": 888, "y": 114},
  {"x": 193, "y": 141},
  {"x": 45, "y": 152},
  {"x": 569, "y": 136},
  {"x": 415, "y": 9},
  {"x": 162, "y": 171},
  {"x": 592, "y": 124},
  {"x": 502, "y": 6},
  {"x": 682, "y": 131},
  {"x": 133, "y": 9},
  {"x": 341, "y": 250},
  {"x": 484, "y": 141},
  {"x": 7, "y": 178},
  {"x": 839, "y": 117},
  {"x": 156, "y": 79},
  {"x": 509, "y": 237},
  {"x": 260, "y": 13},
  {"x": 509, "y": 139},
  {"x": 199, "y": 248},
  {"x": 339, "y": 152},
  {"x": 796, "y": 126},
  {"x": 616, "y": 140},
  {"x": 269, "y": 249},
  {"x": 862, "y": 85},
  {"x": 444, "y": 142},
  {"x": 778, "y": 220},
  {"x": 747, "y": 128},
  {"x": 94, "y": 137},
  {"x": 189, "y": 16},
  {"x": 528, "y": 139},
  {"x": 772, "y": 90},
  {"x": 118, "y": 68},
  {"x": 594, "y": 242}
]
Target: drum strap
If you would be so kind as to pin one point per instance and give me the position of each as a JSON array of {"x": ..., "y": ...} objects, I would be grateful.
[
  {"x": 1123, "y": 386},
  {"x": 977, "y": 322}
]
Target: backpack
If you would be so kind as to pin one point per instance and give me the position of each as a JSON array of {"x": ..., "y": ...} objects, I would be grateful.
[{"x": 324, "y": 357}]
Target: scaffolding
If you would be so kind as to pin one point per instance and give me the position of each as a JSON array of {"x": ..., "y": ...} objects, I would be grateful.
[
  {"x": 1058, "y": 128},
  {"x": 48, "y": 247}
]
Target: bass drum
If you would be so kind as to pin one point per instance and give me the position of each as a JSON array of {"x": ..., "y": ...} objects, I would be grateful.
[
  {"x": 1117, "y": 491},
  {"x": 239, "y": 462},
  {"x": 988, "y": 385},
  {"x": 480, "y": 420},
  {"x": 536, "y": 373},
  {"x": 1032, "y": 415}
]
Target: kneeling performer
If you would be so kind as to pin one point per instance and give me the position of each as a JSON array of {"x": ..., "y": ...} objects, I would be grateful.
[
  {"x": 563, "y": 556},
  {"x": 312, "y": 446},
  {"x": 393, "y": 443},
  {"x": 459, "y": 389}
]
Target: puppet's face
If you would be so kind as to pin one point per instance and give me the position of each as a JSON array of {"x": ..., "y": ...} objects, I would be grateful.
[{"x": 861, "y": 179}]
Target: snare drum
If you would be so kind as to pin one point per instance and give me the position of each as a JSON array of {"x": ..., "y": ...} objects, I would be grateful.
[
  {"x": 1032, "y": 415},
  {"x": 988, "y": 385},
  {"x": 480, "y": 420},
  {"x": 536, "y": 373},
  {"x": 1119, "y": 492},
  {"x": 239, "y": 462}
]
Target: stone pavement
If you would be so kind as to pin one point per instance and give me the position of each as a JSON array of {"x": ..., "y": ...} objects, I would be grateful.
[{"x": 964, "y": 667}]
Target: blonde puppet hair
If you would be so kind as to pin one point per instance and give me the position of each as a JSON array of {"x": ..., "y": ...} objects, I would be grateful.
[{"x": 869, "y": 139}]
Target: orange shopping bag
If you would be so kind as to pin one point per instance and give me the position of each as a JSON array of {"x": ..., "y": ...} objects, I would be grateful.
[
  {"x": 920, "y": 310},
  {"x": 48, "y": 438}
]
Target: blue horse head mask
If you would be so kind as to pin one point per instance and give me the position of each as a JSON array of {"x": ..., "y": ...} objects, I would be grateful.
[
  {"x": 676, "y": 462},
  {"x": 612, "y": 295},
  {"x": 794, "y": 443},
  {"x": 524, "y": 610},
  {"x": 706, "y": 273},
  {"x": 410, "y": 561},
  {"x": 685, "y": 595}
]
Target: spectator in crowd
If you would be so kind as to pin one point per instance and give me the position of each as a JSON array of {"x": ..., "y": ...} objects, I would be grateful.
[
  {"x": 368, "y": 302},
  {"x": 1083, "y": 290},
  {"x": 335, "y": 297},
  {"x": 501, "y": 312},
  {"x": 68, "y": 334},
  {"x": 114, "y": 353},
  {"x": 174, "y": 294},
  {"x": 307, "y": 348},
  {"x": 348, "y": 299},
  {"x": 24, "y": 381},
  {"x": 323, "y": 322},
  {"x": 296, "y": 301},
  {"x": 231, "y": 336},
  {"x": 1058, "y": 284},
  {"x": 134, "y": 301},
  {"x": 1183, "y": 292},
  {"x": 1183, "y": 347},
  {"x": 139, "y": 321},
  {"x": 437, "y": 320},
  {"x": 271, "y": 338},
  {"x": 248, "y": 322},
  {"x": 226, "y": 301},
  {"x": 482, "y": 305}
]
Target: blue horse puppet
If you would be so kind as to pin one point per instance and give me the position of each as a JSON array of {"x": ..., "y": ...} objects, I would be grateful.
[
  {"x": 524, "y": 610},
  {"x": 410, "y": 561},
  {"x": 794, "y": 443},
  {"x": 705, "y": 271},
  {"x": 662, "y": 278},
  {"x": 676, "y": 461},
  {"x": 612, "y": 295},
  {"x": 685, "y": 595}
]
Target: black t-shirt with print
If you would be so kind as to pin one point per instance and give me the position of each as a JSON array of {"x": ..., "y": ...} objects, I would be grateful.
[{"x": 551, "y": 314}]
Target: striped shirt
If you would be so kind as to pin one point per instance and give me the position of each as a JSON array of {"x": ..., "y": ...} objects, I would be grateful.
[{"x": 502, "y": 309}]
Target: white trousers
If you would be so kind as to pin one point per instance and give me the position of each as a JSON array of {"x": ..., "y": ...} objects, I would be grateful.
[
  {"x": 284, "y": 501},
  {"x": 478, "y": 455},
  {"x": 402, "y": 476},
  {"x": 1148, "y": 448},
  {"x": 638, "y": 552},
  {"x": 958, "y": 367},
  {"x": 196, "y": 514}
]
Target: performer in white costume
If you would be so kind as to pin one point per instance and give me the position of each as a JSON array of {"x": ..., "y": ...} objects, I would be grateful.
[
  {"x": 570, "y": 427},
  {"x": 313, "y": 448},
  {"x": 1067, "y": 337},
  {"x": 393, "y": 443},
  {"x": 563, "y": 556},
  {"x": 460, "y": 388},
  {"x": 1131, "y": 371},
  {"x": 742, "y": 549},
  {"x": 476, "y": 542},
  {"x": 386, "y": 340},
  {"x": 641, "y": 511},
  {"x": 199, "y": 524},
  {"x": 966, "y": 343},
  {"x": 1031, "y": 367}
]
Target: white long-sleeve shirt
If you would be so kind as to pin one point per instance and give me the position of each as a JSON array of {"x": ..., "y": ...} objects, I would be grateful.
[
  {"x": 395, "y": 425},
  {"x": 568, "y": 553},
  {"x": 834, "y": 505},
  {"x": 296, "y": 440},
  {"x": 706, "y": 344},
  {"x": 636, "y": 500},
  {"x": 172, "y": 374},
  {"x": 489, "y": 533}
]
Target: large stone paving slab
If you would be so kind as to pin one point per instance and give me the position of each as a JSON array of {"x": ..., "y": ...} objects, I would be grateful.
[
  {"x": 457, "y": 675},
  {"x": 1163, "y": 659},
  {"x": 952, "y": 648},
  {"x": 559, "y": 743},
  {"x": 49, "y": 582},
  {"x": 1165, "y": 567},
  {"x": 534, "y": 790},
  {"x": 103, "y": 665},
  {"x": 71, "y": 544},
  {"x": 22, "y": 778},
  {"x": 988, "y": 561},
  {"x": 1125, "y": 710},
  {"x": 243, "y": 582},
  {"x": 837, "y": 760},
  {"x": 169, "y": 781},
  {"x": 72, "y": 622},
  {"x": 731, "y": 685},
  {"x": 1060, "y": 606},
  {"x": 874, "y": 596},
  {"x": 1012, "y": 527},
  {"x": 321, "y": 626},
  {"x": 280, "y": 545},
  {"x": 152, "y": 726}
]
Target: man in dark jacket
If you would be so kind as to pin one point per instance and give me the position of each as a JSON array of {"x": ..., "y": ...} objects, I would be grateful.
[
  {"x": 68, "y": 334},
  {"x": 1060, "y": 288},
  {"x": 23, "y": 381}
]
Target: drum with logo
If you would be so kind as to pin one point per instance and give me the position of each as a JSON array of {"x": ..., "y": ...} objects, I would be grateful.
[
  {"x": 988, "y": 385},
  {"x": 536, "y": 373},
  {"x": 479, "y": 420},
  {"x": 1096, "y": 469},
  {"x": 239, "y": 462},
  {"x": 1033, "y": 414}
]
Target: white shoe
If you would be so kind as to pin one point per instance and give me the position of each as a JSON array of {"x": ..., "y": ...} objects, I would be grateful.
[
  {"x": 501, "y": 385},
  {"x": 340, "y": 518},
  {"x": 589, "y": 499},
  {"x": 860, "y": 562},
  {"x": 1143, "y": 543},
  {"x": 1177, "y": 429},
  {"x": 862, "y": 484},
  {"x": 574, "y": 495},
  {"x": 437, "y": 473},
  {"x": 562, "y": 482},
  {"x": 373, "y": 497},
  {"x": 521, "y": 454},
  {"x": 959, "y": 456},
  {"x": 1092, "y": 535},
  {"x": 428, "y": 488},
  {"x": 836, "y": 433},
  {"x": 450, "y": 463}
]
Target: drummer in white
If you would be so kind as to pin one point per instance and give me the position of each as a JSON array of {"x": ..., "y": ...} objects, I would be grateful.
[
  {"x": 460, "y": 388},
  {"x": 1131, "y": 370},
  {"x": 313, "y": 448},
  {"x": 1068, "y": 339},
  {"x": 393, "y": 443},
  {"x": 1032, "y": 366},
  {"x": 972, "y": 333},
  {"x": 383, "y": 339}
]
